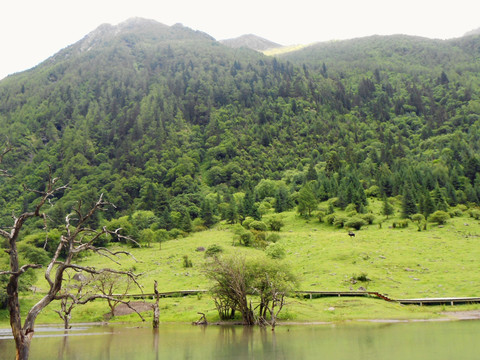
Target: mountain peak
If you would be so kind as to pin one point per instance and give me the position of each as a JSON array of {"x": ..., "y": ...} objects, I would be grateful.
[
  {"x": 250, "y": 41},
  {"x": 472, "y": 32}
]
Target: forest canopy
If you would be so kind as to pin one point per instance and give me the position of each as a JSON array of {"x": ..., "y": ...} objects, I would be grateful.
[{"x": 179, "y": 131}]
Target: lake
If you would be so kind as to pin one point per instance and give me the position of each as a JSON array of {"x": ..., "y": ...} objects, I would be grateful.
[{"x": 364, "y": 340}]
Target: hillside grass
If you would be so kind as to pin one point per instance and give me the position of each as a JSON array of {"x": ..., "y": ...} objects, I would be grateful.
[{"x": 400, "y": 263}]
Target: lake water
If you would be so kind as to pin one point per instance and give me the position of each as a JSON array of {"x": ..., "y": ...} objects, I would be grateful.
[{"x": 457, "y": 340}]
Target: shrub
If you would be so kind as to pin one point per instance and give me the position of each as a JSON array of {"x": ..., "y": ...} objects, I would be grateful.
[
  {"x": 273, "y": 238},
  {"x": 260, "y": 238},
  {"x": 198, "y": 224},
  {"x": 363, "y": 277},
  {"x": 275, "y": 251},
  {"x": 320, "y": 216},
  {"x": 440, "y": 217},
  {"x": 373, "y": 191},
  {"x": 330, "y": 219},
  {"x": 475, "y": 213},
  {"x": 369, "y": 218},
  {"x": 355, "y": 222},
  {"x": 340, "y": 221},
  {"x": 258, "y": 225},
  {"x": 246, "y": 223},
  {"x": 400, "y": 224},
  {"x": 418, "y": 218},
  {"x": 351, "y": 210},
  {"x": 275, "y": 224},
  {"x": 33, "y": 254},
  {"x": 175, "y": 233},
  {"x": 213, "y": 250},
  {"x": 187, "y": 263},
  {"x": 245, "y": 238},
  {"x": 455, "y": 213}
]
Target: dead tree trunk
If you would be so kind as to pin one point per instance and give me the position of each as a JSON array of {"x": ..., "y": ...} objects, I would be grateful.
[
  {"x": 76, "y": 239},
  {"x": 156, "y": 310}
]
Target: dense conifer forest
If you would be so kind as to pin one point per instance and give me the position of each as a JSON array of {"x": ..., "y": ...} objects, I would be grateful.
[{"x": 180, "y": 131}]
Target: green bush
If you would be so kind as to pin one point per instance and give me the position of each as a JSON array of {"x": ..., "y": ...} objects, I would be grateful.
[
  {"x": 175, "y": 233},
  {"x": 275, "y": 224},
  {"x": 455, "y": 213},
  {"x": 213, "y": 250},
  {"x": 329, "y": 219},
  {"x": 369, "y": 218},
  {"x": 246, "y": 223},
  {"x": 351, "y": 210},
  {"x": 246, "y": 238},
  {"x": 440, "y": 217},
  {"x": 475, "y": 213},
  {"x": 273, "y": 238},
  {"x": 355, "y": 223},
  {"x": 363, "y": 277},
  {"x": 418, "y": 218},
  {"x": 340, "y": 221},
  {"x": 187, "y": 263},
  {"x": 33, "y": 254},
  {"x": 258, "y": 225},
  {"x": 401, "y": 224},
  {"x": 275, "y": 251}
]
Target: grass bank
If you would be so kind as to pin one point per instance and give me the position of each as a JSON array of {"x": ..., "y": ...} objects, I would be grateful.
[{"x": 400, "y": 263}]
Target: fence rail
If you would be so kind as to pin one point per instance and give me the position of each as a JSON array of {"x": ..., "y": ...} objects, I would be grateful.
[{"x": 311, "y": 294}]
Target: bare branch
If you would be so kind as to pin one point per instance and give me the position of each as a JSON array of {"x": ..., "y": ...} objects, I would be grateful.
[
  {"x": 21, "y": 270},
  {"x": 4, "y": 234}
]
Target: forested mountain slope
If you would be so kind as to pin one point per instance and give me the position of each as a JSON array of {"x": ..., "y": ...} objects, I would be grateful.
[{"x": 169, "y": 120}]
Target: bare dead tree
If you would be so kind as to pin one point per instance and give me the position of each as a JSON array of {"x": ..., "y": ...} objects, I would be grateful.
[
  {"x": 156, "y": 309},
  {"x": 82, "y": 292},
  {"x": 114, "y": 288},
  {"x": 77, "y": 238}
]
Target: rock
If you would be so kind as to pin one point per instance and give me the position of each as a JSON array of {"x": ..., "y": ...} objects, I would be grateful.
[
  {"x": 361, "y": 288},
  {"x": 331, "y": 308},
  {"x": 200, "y": 248},
  {"x": 79, "y": 277}
]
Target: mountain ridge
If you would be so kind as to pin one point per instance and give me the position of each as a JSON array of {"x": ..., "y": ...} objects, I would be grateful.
[
  {"x": 165, "y": 118},
  {"x": 250, "y": 41}
]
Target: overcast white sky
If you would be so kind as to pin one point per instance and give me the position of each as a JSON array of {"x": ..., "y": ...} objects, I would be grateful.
[{"x": 33, "y": 30}]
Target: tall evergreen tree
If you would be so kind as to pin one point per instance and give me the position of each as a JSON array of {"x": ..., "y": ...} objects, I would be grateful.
[
  {"x": 249, "y": 207},
  {"x": 409, "y": 206},
  {"x": 311, "y": 173},
  {"x": 306, "y": 201},
  {"x": 282, "y": 201},
  {"x": 206, "y": 213},
  {"x": 387, "y": 208},
  {"x": 439, "y": 199}
]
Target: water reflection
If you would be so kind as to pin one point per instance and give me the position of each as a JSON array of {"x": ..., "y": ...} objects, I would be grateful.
[{"x": 360, "y": 341}]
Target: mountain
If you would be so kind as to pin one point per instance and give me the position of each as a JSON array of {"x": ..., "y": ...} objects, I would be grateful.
[
  {"x": 168, "y": 120},
  {"x": 472, "y": 32},
  {"x": 252, "y": 42}
]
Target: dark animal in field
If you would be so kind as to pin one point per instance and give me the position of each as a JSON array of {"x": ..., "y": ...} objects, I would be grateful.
[{"x": 351, "y": 233}]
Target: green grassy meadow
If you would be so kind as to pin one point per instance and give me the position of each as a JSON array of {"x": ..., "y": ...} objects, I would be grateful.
[{"x": 400, "y": 263}]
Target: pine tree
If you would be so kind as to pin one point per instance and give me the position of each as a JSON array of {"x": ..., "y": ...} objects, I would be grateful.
[
  {"x": 306, "y": 201},
  {"x": 206, "y": 213},
  {"x": 428, "y": 205},
  {"x": 249, "y": 207},
  {"x": 311, "y": 173},
  {"x": 439, "y": 199},
  {"x": 409, "y": 207},
  {"x": 282, "y": 202},
  {"x": 387, "y": 208}
]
